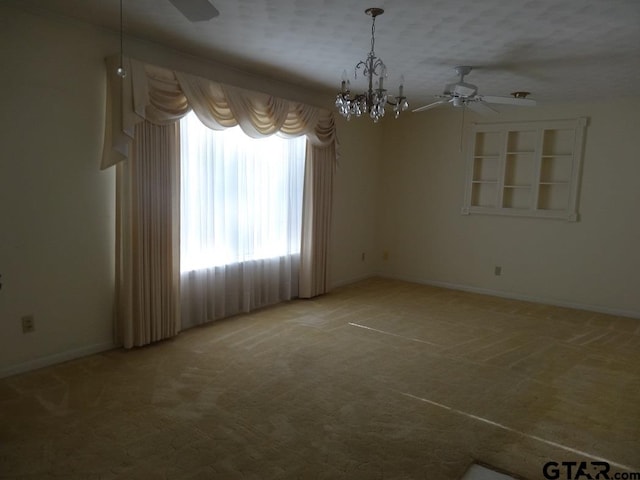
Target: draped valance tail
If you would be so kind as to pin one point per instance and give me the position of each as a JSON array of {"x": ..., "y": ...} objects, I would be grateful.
[{"x": 163, "y": 96}]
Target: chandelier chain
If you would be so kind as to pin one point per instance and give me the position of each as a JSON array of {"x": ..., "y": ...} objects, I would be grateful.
[{"x": 373, "y": 35}]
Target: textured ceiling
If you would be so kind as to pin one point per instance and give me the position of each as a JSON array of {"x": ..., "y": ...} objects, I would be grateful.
[{"x": 560, "y": 50}]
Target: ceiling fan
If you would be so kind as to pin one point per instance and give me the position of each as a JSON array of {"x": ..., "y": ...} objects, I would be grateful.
[
  {"x": 196, "y": 10},
  {"x": 462, "y": 94}
]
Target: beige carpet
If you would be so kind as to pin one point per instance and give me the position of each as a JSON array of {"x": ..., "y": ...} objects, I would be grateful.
[
  {"x": 382, "y": 379},
  {"x": 481, "y": 472}
]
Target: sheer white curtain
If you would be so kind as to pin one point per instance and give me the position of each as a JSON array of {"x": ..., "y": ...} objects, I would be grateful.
[
  {"x": 241, "y": 220},
  {"x": 161, "y": 96}
]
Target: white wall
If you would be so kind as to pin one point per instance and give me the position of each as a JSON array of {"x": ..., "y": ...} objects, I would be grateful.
[
  {"x": 354, "y": 201},
  {"x": 57, "y": 207},
  {"x": 398, "y": 187},
  {"x": 593, "y": 263}
]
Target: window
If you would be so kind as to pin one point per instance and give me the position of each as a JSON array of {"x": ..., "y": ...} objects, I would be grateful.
[{"x": 241, "y": 198}]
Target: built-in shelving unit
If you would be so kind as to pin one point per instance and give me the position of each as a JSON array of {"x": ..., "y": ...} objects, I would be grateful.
[{"x": 525, "y": 168}]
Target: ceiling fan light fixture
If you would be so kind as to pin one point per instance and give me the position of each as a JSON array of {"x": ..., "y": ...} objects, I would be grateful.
[
  {"x": 464, "y": 89},
  {"x": 466, "y": 94},
  {"x": 375, "y": 99}
]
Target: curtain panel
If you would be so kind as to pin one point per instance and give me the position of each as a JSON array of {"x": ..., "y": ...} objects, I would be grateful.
[
  {"x": 155, "y": 95},
  {"x": 148, "y": 237}
]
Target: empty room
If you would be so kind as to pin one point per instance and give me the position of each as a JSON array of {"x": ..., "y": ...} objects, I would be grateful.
[{"x": 320, "y": 240}]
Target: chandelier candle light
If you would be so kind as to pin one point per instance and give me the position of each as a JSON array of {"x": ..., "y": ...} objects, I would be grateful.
[{"x": 374, "y": 100}]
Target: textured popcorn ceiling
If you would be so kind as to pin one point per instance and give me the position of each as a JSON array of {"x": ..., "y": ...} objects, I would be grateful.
[{"x": 569, "y": 50}]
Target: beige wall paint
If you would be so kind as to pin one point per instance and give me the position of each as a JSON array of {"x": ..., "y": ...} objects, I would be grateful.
[
  {"x": 56, "y": 206},
  {"x": 398, "y": 187},
  {"x": 355, "y": 200},
  {"x": 593, "y": 263}
]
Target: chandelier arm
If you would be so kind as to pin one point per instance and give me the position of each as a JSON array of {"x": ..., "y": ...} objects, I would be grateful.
[
  {"x": 378, "y": 66},
  {"x": 375, "y": 99}
]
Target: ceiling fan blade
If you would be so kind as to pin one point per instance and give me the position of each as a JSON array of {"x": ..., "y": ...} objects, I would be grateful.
[
  {"x": 481, "y": 107},
  {"x": 431, "y": 105},
  {"x": 523, "y": 102},
  {"x": 196, "y": 10}
]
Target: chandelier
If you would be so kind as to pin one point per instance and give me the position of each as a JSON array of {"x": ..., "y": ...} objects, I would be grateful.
[{"x": 375, "y": 99}]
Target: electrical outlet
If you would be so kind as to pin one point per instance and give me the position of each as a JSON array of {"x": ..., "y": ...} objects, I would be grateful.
[
  {"x": 28, "y": 324},
  {"x": 362, "y": 257},
  {"x": 497, "y": 270}
]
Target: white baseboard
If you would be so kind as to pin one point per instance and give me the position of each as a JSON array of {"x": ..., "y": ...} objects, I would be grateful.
[
  {"x": 517, "y": 296},
  {"x": 48, "y": 360}
]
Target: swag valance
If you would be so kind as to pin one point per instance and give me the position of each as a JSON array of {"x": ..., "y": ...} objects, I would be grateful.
[{"x": 163, "y": 96}]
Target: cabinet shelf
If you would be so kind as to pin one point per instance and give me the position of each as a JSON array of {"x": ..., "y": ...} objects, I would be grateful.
[{"x": 525, "y": 168}]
